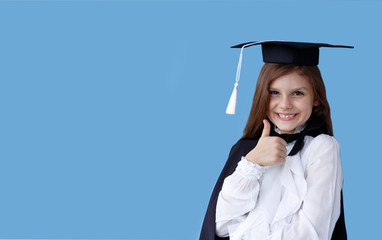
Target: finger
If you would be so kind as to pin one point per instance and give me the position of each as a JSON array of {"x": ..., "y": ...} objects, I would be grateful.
[
  {"x": 282, "y": 155},
  {"x": 279, "y": 140},
  {"x": 283, "y": 142},
  {"x": 266, "y": 129},
  {"x": 283, "y": 149},
  {"x": 282, "y": 160}
]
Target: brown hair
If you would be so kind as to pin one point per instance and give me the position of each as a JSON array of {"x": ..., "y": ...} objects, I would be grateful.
[{"x": 270, "y": 72}]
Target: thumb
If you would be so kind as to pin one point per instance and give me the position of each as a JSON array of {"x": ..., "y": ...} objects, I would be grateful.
[{"x": 266, "y": 129}]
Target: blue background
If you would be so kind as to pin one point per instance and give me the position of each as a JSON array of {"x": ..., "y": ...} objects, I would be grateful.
[{"x": 113, "y": 117}]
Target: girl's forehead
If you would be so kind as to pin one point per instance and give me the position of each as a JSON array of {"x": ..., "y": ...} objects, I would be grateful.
[{"x": 292, "y": 79}]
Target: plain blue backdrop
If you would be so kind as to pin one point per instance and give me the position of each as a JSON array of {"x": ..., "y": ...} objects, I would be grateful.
[{"x": 113, "y": 117}]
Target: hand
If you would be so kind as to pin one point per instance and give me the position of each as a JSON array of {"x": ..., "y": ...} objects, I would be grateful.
[{"x": 269, "y": 150}]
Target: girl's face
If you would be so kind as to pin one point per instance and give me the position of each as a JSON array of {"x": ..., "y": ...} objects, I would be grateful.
[{"x": 291, "y": 102}]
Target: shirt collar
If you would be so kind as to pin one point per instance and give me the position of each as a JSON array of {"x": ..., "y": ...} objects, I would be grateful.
[{"x": 298, "y": 129}]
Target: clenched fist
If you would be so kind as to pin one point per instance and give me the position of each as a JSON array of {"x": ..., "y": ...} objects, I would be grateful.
[{"x": 269, "y": 150}]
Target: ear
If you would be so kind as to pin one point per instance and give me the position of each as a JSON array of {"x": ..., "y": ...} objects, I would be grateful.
[{"x": 315, "y": 103}]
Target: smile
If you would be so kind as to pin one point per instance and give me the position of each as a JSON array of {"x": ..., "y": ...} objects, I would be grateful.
[{"x": 286, "y": 117}]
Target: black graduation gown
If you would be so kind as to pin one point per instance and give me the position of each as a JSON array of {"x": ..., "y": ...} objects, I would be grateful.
[{"x": 241, "y": 148}]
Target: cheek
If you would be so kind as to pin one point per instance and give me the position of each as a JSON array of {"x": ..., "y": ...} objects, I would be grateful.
[
  {"x": 271, "y": 105},
  {"x": 271, "y": 108},
  {"x": 307, "y": 108}
]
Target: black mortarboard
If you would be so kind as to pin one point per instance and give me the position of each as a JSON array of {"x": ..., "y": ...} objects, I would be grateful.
[{"x": 298, "y": 53}]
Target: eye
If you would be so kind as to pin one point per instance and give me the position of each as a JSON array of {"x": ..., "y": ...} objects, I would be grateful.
[
  {"x": 273, "y": 92},
  {"x": 298, "y": 93}
]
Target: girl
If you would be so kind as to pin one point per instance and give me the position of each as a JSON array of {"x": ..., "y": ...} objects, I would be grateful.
[{"x": 283, "y": 178}]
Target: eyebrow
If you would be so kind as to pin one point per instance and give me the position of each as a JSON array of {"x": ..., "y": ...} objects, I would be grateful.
[
  {"x": 295, "y": 89},
  {"x": 300, "y": 88}
]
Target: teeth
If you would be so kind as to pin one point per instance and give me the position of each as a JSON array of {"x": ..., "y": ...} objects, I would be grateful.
[{"x": 286, "y": 116}]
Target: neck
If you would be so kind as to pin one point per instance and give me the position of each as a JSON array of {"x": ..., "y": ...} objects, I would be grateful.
[{"x": 312, "y": 127}]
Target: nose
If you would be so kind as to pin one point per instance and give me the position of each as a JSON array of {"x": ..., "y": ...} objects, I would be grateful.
[{"x": 285, "y": 103}]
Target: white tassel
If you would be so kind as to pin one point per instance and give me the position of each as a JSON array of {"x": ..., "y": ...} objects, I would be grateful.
[{"x": 231, "y": 108}]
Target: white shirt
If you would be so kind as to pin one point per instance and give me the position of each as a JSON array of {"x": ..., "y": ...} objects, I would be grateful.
[{"x": 300, "y": 199}]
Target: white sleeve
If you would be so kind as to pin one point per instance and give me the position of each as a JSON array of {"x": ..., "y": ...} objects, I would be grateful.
[
  {"x": 238, "y": 195},
  {"x": 321, "y": 207}
]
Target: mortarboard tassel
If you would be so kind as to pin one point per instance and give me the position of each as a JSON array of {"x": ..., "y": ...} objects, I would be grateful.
[{"x": 231, "y": 108}]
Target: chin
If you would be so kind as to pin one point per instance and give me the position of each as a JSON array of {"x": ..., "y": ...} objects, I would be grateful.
[{"x": 286, "y": 130}]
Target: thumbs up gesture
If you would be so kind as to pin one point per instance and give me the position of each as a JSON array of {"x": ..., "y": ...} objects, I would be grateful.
[{"x": 269, "y": 150}]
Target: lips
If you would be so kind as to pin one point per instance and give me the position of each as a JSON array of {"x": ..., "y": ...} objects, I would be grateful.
[{"x": 286, "y": 116}]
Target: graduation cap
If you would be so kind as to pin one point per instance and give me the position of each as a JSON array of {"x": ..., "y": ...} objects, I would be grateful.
[{"x": 284, "y": 52}]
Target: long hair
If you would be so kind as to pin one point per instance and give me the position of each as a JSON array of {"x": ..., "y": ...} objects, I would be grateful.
[{"x": 268, "y": 73}]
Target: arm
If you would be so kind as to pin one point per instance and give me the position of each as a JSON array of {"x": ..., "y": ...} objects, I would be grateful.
[
  {"x": 241, "y": 148},
  {"x": 240, "y": 190},
  {"x": 238, "y": 196}
]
